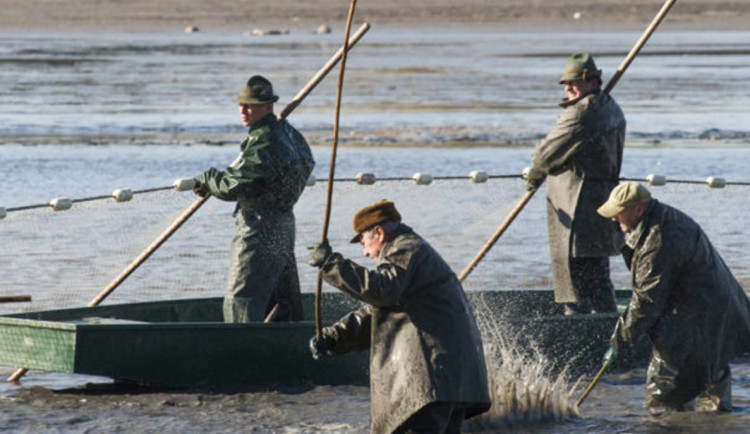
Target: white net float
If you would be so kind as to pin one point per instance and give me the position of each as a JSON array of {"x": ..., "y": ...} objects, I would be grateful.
[
  {"x": 184, "y": 184},
  {"x": 3, "y": 212},
  {"x": 478, "y": 176},
  {"x": 656, "y": 180},
  {"x": 61, "y": 203},
  {"x": 311, "y": 180},
  {"x": 122, "y": 194},
  {"x": 365, "y": 178},
  {"x": 716, "y": 182},
  {"x": 422, "y": 178}
]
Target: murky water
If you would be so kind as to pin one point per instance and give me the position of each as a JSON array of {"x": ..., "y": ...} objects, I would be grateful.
[
  {"x": 402, "y": 85},
  {"x": 113, "y": 110}
]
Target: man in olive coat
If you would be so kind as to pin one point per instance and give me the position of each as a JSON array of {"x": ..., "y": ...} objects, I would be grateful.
[
  {"x": 685, "y": 300},
  {"x": 581, "y": 159},
  {"x": 266, "y": 183},
  {"x": 427, "y": 369}
]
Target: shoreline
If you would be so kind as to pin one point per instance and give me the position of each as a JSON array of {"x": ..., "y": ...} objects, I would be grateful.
[
  {"x": 510, "y": 15},
  {"x": 323, "y": 139}
]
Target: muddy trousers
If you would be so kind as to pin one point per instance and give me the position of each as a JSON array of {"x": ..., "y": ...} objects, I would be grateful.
[
  {"x": 590, "y": 278},
  {"x": 263, "y": 283},
  {"x": 688, "y": 389},
  {"x": 435, "y": 418}
]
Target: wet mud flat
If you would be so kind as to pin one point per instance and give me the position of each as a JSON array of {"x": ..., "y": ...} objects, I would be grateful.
[
  {"x": 541, "y": 14},
  {"x": 130, "y": 408},
  {"x": 614, "y": 405}
]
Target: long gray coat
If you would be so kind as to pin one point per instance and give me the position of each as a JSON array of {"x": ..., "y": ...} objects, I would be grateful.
[
  {"x": 581, "y": 157},
  {"x": 685, "y": 300},
  {"x": 423, "y": 339}
]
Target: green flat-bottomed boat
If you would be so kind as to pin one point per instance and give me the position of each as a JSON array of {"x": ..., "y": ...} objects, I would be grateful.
[{"x": 185, "y": 342}]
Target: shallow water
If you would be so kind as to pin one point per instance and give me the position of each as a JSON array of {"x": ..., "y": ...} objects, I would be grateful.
[
  {"x": 404, "y": 85},
  {"x": 127, "y": 105}
]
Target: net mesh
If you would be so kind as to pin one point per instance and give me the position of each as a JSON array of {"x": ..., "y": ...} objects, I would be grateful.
[{"x": 64, "y": 259}]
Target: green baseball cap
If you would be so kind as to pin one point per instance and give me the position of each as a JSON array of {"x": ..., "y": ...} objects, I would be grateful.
[
  {"x": 257, "y": 90},
  {"x": 580, "y": 66},
  {"x": 625, "y": 195}
]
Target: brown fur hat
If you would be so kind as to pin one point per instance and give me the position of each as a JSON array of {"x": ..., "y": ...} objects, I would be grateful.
[{"x": 371, "y": 215}]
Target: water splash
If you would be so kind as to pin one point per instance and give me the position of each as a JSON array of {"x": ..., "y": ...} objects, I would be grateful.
[{"x": 523, "y": 388}]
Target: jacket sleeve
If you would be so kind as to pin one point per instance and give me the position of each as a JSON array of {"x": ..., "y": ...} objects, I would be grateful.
[
  {"x": 248, "y": 177},
  {"x": 352, "y": 332},
  {"x": 655, "y": 275},
  {"x": 385, "y": 286},
  {"x": 553, "y": 153}
]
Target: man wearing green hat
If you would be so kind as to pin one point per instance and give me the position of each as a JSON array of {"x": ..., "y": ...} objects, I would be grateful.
[
  {"x": 266, "y": 182},
  {"x": 427, "y": 370},
  {"x": 580, "y": 159},
  {"x": 685, "y": 299}
]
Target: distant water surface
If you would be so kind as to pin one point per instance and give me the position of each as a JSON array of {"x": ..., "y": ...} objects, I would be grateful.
[
  {"x": 128, "y": 110},
  {"x": 479, "y": 85}
]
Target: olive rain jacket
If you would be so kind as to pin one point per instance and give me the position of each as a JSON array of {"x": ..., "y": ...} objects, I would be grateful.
[
  {"x": 581, "y": 158},
  {"x": 686, "y": 300},
  {"x": 424, "y": 343},
  {"x": 266, "y": 183}
]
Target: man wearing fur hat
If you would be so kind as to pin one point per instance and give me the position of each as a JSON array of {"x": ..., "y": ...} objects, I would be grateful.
[
  {"x": 427, "y": 370},
  {"x": 685, "y": 299},
  {"x": 580, "y": 159},
  {"x": 266, "y": 183}
]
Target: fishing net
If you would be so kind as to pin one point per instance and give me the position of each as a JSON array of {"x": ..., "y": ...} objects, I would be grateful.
[{"x": 65, "y": 258}]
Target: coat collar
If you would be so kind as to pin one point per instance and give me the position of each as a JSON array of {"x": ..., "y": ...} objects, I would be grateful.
[
  {"x": 401, "y": 229},
  {"x": 633, "y": 238},
  {"x": 569, "y": 102},
  {"x": 267, "y": 120}
]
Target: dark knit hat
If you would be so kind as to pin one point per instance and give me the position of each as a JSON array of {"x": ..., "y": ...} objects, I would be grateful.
[{"x": 371, "y": 215}]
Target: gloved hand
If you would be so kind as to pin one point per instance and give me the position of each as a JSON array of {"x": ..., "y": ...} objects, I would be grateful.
[
  {"x": 319, "y": 253},
  {"x": 534, "y": 178},
  {"x": 322, "y": 346},
  {"x": 609, "y": 358},
  {"x": 533, "y": 184},
  {"x": 200, "y": 189}
]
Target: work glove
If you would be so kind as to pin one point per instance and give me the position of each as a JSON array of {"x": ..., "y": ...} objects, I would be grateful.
[
  {"x": 609, "y": 358},
  {"x": 533, "y": 184},
  {"x": 534, "y": 178},
  {"x": 319, "y": 253},
  {"x": 322, "y": 346},
  {"x": 200, "y": 189}
]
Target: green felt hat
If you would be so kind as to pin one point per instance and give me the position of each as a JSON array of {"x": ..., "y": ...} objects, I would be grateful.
[
  {"x": 580, "y": 66},
  {"x": 258, "y": 90}
]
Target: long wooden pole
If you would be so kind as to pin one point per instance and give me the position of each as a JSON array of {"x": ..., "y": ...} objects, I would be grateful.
[
  {"x": 332, "y": 167},
  {"x": 339, "y": 55},
  {"x": 621, "y": 70},
  {"x": 488, "y": 245},
  {"x": 638, "y": 45},
  {"x": 14, "y": 298},
  {"x": 612, "y": 82},
  {"x": 593, "y": 383}
]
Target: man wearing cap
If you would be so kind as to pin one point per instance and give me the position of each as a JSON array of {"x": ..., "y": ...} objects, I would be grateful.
[
  {"x": 427, "y": 370},
  {"x": 580, "y": 159},
  {"x": 685, "y": 300},
  {"x": 266, "y": 182}
]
